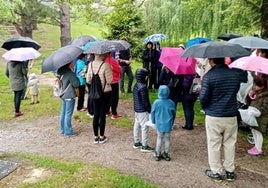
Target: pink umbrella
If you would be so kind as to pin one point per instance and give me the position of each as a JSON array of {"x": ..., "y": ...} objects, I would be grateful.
[
  {"x": 250, "y": 63},
  {"x": 171, "y": 58},
  {"x": 21, "y": 54}
]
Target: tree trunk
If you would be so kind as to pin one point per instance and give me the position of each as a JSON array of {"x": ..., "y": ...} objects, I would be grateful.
[
  {"x": 65, "y": 24},
  {"x": 264, "y": 19}
]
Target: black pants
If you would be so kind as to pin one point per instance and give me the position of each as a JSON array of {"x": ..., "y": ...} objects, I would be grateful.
[
  {"x": 99, "y": 119},
  {"x": 81, "y": 97},
  {"x": 17, "y": 100},
  {"x": 114, "y": 98},
  {"x": 90, "y": 106}
]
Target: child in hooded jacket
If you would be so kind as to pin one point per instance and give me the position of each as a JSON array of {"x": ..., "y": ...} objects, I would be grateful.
[
  {"x": 33, "y": 85},
  {"x": 163, "y": 114}
]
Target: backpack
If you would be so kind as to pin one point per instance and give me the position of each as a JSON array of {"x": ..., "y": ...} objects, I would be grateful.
[
  {"x": 57, "y": 87},
  {"x": 96, "y": 90}
]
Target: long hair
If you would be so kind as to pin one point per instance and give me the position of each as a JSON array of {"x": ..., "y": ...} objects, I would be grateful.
[{"x": 260, "y": 82}]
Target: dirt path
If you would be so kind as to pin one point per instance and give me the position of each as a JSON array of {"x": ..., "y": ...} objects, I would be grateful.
[{"x": 188, "y": 151}]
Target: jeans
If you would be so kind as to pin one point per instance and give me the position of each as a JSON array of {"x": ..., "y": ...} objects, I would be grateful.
[
  {"x": 188, "y": 110},
  {"x": 160, "y": 138},
  {"x": 67, "y": 109},
  {"x": 128, "y": 71},
  {"x": 17, "y": 100}
]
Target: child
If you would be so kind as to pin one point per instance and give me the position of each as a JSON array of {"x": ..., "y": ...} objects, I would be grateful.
[
  {"x": 142, "y": 108},
  {"x": 33, "y": 85},
  {"x": 258, "y": 98},
  {"x": 163, "y": 115}
]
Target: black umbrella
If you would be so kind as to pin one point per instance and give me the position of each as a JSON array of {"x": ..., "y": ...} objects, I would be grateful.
[
  {"x": 17, "y": 42},
  {"x": 82, "y": 40},
  {"x": 215, "y": 50},
  {"x": 61, "y": 57},
  {"x": 106, "y": 46},
  {"x": 229, "y": 36}
]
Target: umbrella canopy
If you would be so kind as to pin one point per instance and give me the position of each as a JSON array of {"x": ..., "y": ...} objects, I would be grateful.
[
  {"x": 229, "y": 36},
  {"x": 250, "y": 63},
  {"x": 155, "y": 38},
  {"x": 17, "y": 42},
  {"x": 61, "y": 57},
  {"x": 171, "y": 58},
  {"x": 197, "y": 40},
  {"x": 250, "y": 42},
  {"x": 215, "y": 50},
  {"x": 21, "y": 54},
  {"x": 82, "y": 40},
  {"x": 107, "y": 46}
]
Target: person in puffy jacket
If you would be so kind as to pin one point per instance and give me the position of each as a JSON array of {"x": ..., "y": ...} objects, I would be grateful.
[
  {"x": 142, "y": 108},
  {"x": 163, "y": 114}
]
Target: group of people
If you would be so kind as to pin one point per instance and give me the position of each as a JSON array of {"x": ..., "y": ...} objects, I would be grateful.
[{"x": 218, "y": 96}]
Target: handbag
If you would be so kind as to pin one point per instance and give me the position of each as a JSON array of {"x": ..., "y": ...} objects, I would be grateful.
[{"x": 196, "y": 85}]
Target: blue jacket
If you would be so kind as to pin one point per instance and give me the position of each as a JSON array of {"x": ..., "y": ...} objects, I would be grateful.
[
  {"x": 80, "y": 71},
  {"x": 218, "y": 91},
  {"x": 163, "y": 111}
]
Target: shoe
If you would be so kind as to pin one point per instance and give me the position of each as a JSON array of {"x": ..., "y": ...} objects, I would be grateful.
[
  {"x": 96, "y": 140},
  {"x": 17, "y": 114},
  {"x": 103, "y": 140},
  {"x": 90, "y": 115},
  {"x": 31, "y": 102},
  {"x": 147, "y": 149},
  {"x": 165, "y": 156},
  {"x": 216, "y": 177},
  {"x": 250, "y": 139},
  {"x": 137, "y": 145},
  {"x": 157, "y": 156},
  {"x": 187, "y": 128},
  {"x": 254, "y": 152},
  {"x": 108, "y": 113},
  {"x": 82, "y": 109},
  {"x": 71, "y": 135},
  {"x": 229, "y": 176},
  {"x": 116, "y": 116}
]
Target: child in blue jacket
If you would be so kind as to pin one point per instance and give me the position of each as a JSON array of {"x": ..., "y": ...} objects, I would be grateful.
[{"x": 163, "y": 115}]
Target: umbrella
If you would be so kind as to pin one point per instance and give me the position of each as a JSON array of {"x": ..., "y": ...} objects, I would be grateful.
[
  {"x": 106, "y": 46},
  {"x": 250, "y": 42},
  {"x": 82, "y": 40},
  {"x": 61, "y": 57},
  {"x": 215, "y": 50},
  {"x": 155, "y": 38},
  {"x": 21, "y": 54},
  {"x": 250, "y": 63},
  {"x": 197, "y": 40},
  {"x": 171, "y": 58},
  {"x": 228, "y": 36},
  {"x": 16, "y": 42}
]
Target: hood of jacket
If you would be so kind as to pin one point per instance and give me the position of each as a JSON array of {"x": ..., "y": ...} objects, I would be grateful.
[
  {"x": 163, "y": 92},
  {"x": 141, "y": 75}
]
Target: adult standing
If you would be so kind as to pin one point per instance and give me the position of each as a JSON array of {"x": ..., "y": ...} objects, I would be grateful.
[
  {"x": 100, "y": 105},
  {"x": 159, "y": 65},
  {"x": 149, "y": 58},
  {"x": 188, "y": 101},
  {"x": 218, "y": 99},
  {"x": 124, "y": 59},
  {"x": 116, "y": 71},
  {"x": 17, "y": 73},
  {"x": 69, "y": 83}
]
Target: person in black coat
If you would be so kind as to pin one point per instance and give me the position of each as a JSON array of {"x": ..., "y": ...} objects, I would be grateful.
[{"x": 150, "y": 58}]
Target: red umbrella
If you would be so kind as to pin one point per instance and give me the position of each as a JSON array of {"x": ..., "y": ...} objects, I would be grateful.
[{"x": 171, "y": 58}]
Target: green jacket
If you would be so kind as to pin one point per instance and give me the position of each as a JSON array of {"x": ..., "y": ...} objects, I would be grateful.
[{"x": 17, "y": 73}]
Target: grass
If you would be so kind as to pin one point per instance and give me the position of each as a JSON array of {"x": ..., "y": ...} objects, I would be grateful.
[{"x": 66, "y": 173}]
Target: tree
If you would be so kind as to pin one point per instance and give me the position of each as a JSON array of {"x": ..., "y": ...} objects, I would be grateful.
[
  {"x": 65, "y": 23},
  {"x": 124, "y": 20}
]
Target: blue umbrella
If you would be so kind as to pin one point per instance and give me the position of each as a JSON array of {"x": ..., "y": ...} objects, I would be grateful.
[
  {"x": 197, "y": 40},
  {"x": 155, "y": 38}
]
